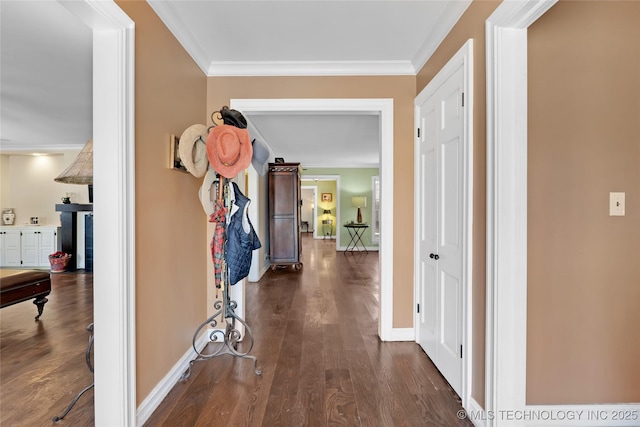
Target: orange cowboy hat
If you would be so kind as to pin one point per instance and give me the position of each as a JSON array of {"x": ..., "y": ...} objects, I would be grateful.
[{"x": 229, "y": 150}]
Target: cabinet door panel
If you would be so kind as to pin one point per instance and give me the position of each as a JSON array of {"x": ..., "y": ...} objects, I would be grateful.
[
  {"x": 30, "y": 248},
  {"x": 11, "y": 255},
  {"x": 284, "y": 196},
  {"x": 283, "y": 244}
]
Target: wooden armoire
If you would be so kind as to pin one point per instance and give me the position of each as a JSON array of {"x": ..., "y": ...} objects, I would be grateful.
[{"x": 285, "y": 248}]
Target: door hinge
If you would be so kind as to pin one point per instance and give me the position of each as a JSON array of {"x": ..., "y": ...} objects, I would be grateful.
[
  {"x": 418, "y": 132},
  {"x": 418, "y": 307},
  {"x": 463, "y": 99},
  {"x": 460, "y": 351}
]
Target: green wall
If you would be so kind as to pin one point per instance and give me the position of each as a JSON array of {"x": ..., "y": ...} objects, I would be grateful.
[{"x": 353, "y": 182}]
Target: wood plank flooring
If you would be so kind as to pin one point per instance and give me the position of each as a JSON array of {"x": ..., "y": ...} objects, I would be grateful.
[
  {"x": 42, "y": 363},
  {"x": 323, "y": 364},
  {"x": 315, "y": 338}
]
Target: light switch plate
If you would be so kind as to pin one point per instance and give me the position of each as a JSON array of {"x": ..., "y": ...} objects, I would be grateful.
[{"x": 616, "y": 204}]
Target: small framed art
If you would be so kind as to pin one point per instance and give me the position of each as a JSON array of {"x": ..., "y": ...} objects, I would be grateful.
[{"x": 327, "y": 197}]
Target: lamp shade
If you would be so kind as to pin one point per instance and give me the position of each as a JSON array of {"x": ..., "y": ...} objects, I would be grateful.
[
  {"x": 326, "y": 212},
  {"x": 359, "y": 201},
  {"x": 81, "y": 170}
]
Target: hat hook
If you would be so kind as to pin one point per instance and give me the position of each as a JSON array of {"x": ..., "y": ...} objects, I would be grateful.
[{"x": 216, "y": 118}]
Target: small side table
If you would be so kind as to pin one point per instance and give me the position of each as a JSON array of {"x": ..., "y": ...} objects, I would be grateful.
[
  {"x": 327, "y": 228},
  {"x": 355, "y": 232}
]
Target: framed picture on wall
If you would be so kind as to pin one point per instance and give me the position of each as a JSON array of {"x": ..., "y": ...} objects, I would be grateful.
[
  {"x": 327, "y": 197},
  {"x": 174, "y": 154}
]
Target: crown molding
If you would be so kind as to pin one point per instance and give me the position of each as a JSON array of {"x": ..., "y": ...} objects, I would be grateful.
[
  {"x": 185, "y": 38},
  {"x": 340, "y": 166},
  {"x": 170, "y": 17},
  {"x": 310, "y": 68},
  {"x": 439, "y": 32},
  {"x": 18, "y": 149}
]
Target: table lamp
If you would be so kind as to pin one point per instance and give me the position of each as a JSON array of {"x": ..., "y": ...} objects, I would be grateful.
[{"x": 359, "y": 202}]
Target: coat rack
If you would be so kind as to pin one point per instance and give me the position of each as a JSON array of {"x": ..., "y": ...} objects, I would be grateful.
[{"x": 223, "y": 341}]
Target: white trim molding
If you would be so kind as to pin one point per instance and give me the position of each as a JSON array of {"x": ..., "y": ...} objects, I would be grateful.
[
  {"x": 439, "y": 32},
  {"x": 403, "y": 334},
  {"x": 383, "y": 108},
  {"x": 335, "y": 178},
  {"x": 114, "y": 210},
  {"x": 162, "y": 389},
  {"x": 506, "y": 322},
  {"x": 310, "y": 68}
]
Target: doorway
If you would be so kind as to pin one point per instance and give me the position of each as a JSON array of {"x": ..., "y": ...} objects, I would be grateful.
[
  {"x": 308, "y": 213},
  {"x": 384, "y": 109},
  {"x": 114, "y": 204}
]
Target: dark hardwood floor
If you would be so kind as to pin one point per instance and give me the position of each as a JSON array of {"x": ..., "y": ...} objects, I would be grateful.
[
  {"x": 315, "y": 338},
  {"x": 42, "y": 363},
  {"x": 316, "y": 341}
]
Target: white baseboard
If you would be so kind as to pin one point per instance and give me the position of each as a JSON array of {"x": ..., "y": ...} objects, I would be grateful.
[
  {"x": 474, "y": 412},
  {"x": 261, "y": 273},
  {"x": 403, "y": 334},
  {"x": 369, "y": 248},
  {"x": 160, "y": 391}
]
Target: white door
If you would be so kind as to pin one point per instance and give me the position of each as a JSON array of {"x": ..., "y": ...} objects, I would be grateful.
[{"x": 441, "y": 231}]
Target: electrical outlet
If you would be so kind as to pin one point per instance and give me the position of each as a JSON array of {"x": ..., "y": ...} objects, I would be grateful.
[{"x": 616, "y": 204}]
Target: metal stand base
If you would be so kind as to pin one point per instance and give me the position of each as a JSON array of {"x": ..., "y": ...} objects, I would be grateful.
[
  {"x": 223, "y": 342},
  {"x": 89, "y": 387}
]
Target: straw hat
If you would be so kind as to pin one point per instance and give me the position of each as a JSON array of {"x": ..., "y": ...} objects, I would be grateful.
[
  {"x": 193, "y": 151},
  {"x": 229, "y": 150}
]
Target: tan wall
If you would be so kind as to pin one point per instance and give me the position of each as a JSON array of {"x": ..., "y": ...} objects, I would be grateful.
[
  {"x": 402, "y": 89},
  {"x": 171, "y": 240},
  {"x": 584, "y": 266},
  {"x": 28, "y": 186},
  {"x": 471, "y": 26},
  {"x": 5, "y": 189}
]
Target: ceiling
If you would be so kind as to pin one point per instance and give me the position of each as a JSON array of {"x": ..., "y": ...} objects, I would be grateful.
[{"x": 262, "y": 37}]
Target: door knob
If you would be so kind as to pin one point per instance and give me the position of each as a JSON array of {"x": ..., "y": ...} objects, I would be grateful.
[{"x": 434, "y": 256}]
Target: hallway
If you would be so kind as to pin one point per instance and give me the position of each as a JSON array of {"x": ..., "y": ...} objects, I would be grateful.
[{"x": 316, "y": 342}]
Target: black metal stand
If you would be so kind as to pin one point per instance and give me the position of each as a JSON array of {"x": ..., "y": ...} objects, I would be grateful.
[
  {"x": 89, "y": 387},
  {"x": 355, "y": 232}
]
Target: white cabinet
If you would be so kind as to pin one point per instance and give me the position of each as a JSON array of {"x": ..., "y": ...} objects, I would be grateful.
[
  {"x": 27, "y": 246},
  {"x": 10, "y": 255}
]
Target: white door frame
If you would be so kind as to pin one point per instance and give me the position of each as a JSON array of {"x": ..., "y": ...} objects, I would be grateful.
[
  {"x": 335, "y": 178},
  {"x": 314, "y": 210},
  {"x": 114, "y": 210},
  {"x": 383, "y": 108},
  {"x": 462, "y": 58},
  {"x": 506, "y": 321}
]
